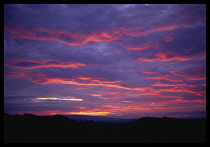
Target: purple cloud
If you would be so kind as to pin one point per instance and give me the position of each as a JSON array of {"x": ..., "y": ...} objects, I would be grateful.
[{"x": 122, "y": 60}]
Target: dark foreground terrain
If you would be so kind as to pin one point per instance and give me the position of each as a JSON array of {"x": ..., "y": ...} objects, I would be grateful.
[{"x": 29, "y": 128}]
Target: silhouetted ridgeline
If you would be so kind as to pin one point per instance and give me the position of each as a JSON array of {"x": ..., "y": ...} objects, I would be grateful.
[{"x": 31, "y": 128}]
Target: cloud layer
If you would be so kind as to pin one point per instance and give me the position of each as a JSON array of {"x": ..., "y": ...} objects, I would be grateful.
[{"x": 119, "y": 60}]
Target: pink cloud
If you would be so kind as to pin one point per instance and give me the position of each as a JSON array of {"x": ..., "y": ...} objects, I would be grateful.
[
  {"x": 165, "y": 77},
  {"x": 16, "y": 74},
  {"x": 168, "y": 37},
  {"x": 164, "y": 56},
  {"x": 42, "y": 64},
  {"x": 189, "y": 77},
  {"x": 148, "y": 72},
  {"x": 177, "y": 84},
  {"x": 79, "y": 38}
]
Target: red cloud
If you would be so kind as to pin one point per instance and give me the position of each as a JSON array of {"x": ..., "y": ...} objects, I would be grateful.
[
  {"x": 161, "y": 56},
  {"x": 196, "y": 100},
  {"x": 148, "y": 72},
  {"x": 177, "y": 84},
  {"x": 189, "y": 77},
  {"x": 96, "y": 94},
  {"x": 165, "y": 77},
  {"x": 181, "y": 89},
  {"x": 169, "y": 38},
  {"x": 137, "y": 48},
  {"x": 133, "y": 32},
  {"x": 42, "y": 64},
  {"x": 44, "y": 34},
  {"x": 79, "y": 38},
  {"x": 112, "y": 109},
  {"x": 85, "y": 81},
  {"x": 92, "y": 82},
  {"x": 69, "y": 38},
  {"x": 16, "y": 74},
  {"x": 148, "y": 45}
]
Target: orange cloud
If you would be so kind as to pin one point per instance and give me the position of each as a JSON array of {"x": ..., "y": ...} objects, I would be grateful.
[
  {"x": 125, "y": 108},
  {"x": 78, "y": 111},
  {"x": 94, "y": 112},
  {"x": 181, "y": 89},
  {"x": 158, "y": 103},
  {"x": 96, "y": 94},
  {"x": 148, "y": 72},
  {"x": 127, "y": 101},
  {"x": 85, "y": 81},
  {"x": 100, "y": 37},
  {"x": 134, "y": 91},
  {"x": 44, "y": 64},
  {"x": 90, "y": 111},
  {"x": 187, "y": 101}
]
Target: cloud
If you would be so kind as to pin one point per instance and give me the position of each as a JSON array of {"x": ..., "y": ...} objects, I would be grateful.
[
  {"x": 177, "y": 84},
  {"x": 30, "y": 64},
  {"x": 56, "y": 99},
  {"x": 169, "y": 37},
  {"x": 96, "y": 94},
  {"x": 165, "y": 77},
  {"x": 16, "y": 74},
  {"x": 80, "y": 38},
  {"x": 170, "y": 56},
  {"x": 135, "y": 46},
  {"x": 189, "y": 77},
  {"x": 194, "y": 101},
  {"x": 121, "y": 60},
  {"x": 148, "y": 72},
  {"x": 83, "y": 81}
]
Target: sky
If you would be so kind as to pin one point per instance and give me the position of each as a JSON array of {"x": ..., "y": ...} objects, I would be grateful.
[{"x": 113, "y": 60}]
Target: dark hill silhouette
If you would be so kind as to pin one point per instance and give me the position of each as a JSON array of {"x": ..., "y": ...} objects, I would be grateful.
[
  {"x": 29, "y": 128},
  {"x": 98, "y": 118}
]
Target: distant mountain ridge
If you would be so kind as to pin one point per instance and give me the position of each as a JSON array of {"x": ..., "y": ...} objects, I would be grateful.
[{"x": 29, "y": 128}]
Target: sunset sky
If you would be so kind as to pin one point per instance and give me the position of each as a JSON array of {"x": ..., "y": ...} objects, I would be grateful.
[{"x": 115, "y": 60}]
